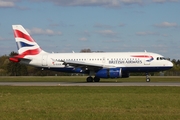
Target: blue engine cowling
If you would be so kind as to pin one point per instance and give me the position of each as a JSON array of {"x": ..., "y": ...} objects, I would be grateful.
[{"x": 109, "y": 73}]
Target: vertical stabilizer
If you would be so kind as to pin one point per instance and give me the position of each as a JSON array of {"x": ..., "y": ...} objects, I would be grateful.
[{"x": 25, "y": 43}]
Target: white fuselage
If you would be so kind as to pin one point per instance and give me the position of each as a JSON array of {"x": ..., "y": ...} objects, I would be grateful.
[{"x": 133, "y": 61}]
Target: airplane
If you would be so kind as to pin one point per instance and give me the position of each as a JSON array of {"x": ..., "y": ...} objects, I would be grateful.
[{"x": 99, "y": 65}]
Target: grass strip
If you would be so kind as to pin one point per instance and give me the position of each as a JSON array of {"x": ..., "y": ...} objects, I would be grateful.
[{"x": 89, "y": 103}]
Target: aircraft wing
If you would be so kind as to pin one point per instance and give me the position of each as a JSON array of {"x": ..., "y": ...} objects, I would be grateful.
[{"x": 85, "y": 65}]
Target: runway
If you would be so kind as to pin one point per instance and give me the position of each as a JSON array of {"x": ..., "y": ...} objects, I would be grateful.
[{"x": 89, "y": 84}]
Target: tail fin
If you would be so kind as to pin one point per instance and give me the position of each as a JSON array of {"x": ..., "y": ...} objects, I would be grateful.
[{"x": 25, "y": 44}]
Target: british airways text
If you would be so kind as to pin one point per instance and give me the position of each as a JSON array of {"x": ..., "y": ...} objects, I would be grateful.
[{"x": 125, "y": 62}]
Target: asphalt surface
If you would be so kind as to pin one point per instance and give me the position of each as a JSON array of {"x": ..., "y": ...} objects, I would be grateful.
[{"x": 89, "y": 84}]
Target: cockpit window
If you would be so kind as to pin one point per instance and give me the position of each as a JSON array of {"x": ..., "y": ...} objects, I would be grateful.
[
  {"x": 167, "y": 59},
  {"x": 162, "y": 58}
]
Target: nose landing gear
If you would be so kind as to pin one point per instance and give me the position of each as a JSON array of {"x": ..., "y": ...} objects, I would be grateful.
[{"x": 147, "y": 78}]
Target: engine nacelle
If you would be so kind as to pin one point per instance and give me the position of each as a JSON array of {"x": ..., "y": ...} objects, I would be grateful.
[{"x": 109, "y": 73}]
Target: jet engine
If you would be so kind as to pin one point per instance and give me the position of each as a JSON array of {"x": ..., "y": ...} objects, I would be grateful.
[{"x": 109, "y": 73}]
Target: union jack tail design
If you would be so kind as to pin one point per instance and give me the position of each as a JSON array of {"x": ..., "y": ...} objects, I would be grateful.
[{"x": 25, "y": 44}]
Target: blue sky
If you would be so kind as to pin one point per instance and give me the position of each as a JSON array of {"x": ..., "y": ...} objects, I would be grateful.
[{"x": 100, "y": 25}]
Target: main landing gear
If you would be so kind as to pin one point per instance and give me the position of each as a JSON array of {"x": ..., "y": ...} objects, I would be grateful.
[
  {"x": 91, "y": 79},
  {"x": 147, "y": 78}
]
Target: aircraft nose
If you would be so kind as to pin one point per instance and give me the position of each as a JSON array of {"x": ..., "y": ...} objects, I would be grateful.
[{"x": 170, "y": 64}]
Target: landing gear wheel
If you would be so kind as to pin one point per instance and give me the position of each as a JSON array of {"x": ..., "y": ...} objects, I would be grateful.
[
  {"x": 148, "y": 80},
  {"x": 89, "y": 79},
  {"x": 96, "y": 79}
]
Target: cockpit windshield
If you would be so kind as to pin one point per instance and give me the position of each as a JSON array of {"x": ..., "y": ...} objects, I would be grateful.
[{"x": 162, "y": 58}]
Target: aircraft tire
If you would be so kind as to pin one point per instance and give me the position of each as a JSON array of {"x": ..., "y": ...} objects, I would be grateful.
[
  {"x": 96, "y": 79},
  {"x": 89, "y": 79},
  {"x": 148, "y": 79}
]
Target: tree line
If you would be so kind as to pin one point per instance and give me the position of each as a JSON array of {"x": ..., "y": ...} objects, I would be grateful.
[{"x": 8, "y": 68}]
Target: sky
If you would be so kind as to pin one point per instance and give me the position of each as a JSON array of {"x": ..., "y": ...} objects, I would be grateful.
[{"x": 99, "y": 25}]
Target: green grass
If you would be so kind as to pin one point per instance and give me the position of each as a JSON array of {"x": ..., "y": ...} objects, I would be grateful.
[
  {"x": 89, "y": 103},
  {"x": 83, "y": 79}
]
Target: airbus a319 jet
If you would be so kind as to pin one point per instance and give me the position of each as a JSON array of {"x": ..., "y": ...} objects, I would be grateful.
[{"x": 95, "y": 65}]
